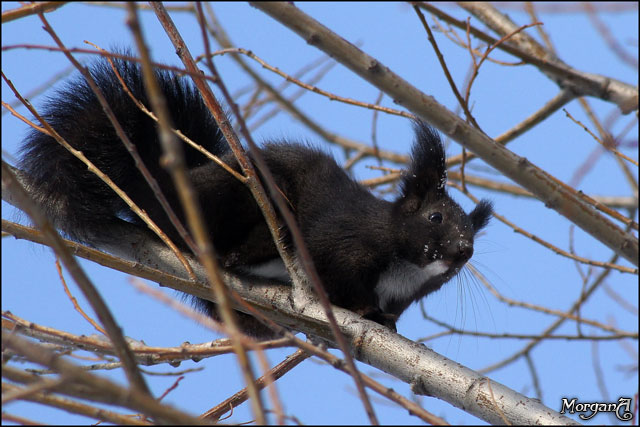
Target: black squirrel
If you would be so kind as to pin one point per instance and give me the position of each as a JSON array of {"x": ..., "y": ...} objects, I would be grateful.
[{"x": 374, "y": 257}]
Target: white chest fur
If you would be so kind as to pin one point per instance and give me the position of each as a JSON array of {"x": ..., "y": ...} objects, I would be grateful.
[{"x": 405, "y": 279}]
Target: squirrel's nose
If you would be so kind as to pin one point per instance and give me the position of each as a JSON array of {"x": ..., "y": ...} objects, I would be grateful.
[{"x": 465, "y": 249}]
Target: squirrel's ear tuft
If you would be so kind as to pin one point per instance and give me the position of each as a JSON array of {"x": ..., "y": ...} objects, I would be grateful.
[
  {"x": 427, "y": 175},
  {"x": 481, "y": 215}
]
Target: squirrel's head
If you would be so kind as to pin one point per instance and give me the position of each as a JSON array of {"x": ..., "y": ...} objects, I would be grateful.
[{"x": 438, "y": 234}]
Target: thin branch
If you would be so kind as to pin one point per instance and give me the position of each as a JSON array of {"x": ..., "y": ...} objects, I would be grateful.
[
  {"x": 103, "y": 390},
  {"x": 462, "y": 102},
  {"x": 144, "y": 354},
  {"x": 31, "y": 9},
  {"x": 75, "y": 407},
  {"x": 607, "y": 147},
  {"x": 452, "y": 330},
  {"x": 276, "y": 372},
  {"x": 549, "y": 245},
  {"x": 597, "y": 282}
]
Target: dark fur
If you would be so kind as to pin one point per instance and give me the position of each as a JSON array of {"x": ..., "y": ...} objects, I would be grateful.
[{"x": 354, "y": 238}]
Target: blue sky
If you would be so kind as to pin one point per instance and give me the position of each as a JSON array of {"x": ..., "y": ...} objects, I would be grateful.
[{"x": 517, "y": 267}]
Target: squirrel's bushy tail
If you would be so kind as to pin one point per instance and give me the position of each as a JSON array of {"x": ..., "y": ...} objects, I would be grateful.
[{"x": 77, "y": 200}]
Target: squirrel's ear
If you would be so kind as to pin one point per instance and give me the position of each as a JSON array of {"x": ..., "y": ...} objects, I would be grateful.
[
  {"x": 481, "y": 214},
  {"x": 426, "y": 177}
]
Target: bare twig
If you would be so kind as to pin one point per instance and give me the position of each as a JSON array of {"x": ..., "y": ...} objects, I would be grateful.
[
  {"x": 103, "y": 390},
  {"x": 278, "y": 371}
]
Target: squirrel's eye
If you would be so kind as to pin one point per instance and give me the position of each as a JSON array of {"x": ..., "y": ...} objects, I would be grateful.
[{"x": 436, "y": 217}]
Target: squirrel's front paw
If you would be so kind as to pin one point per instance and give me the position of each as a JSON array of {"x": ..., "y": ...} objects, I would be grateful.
[{"x": 384, "y": 319}]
